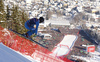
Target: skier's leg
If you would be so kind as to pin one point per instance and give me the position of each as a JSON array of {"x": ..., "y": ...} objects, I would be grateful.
[{"x": 29, "y": 33}]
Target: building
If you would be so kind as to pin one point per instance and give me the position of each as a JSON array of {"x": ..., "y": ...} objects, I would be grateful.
[
  {"x": 29, "y": 1},
  {"x": 57, "y": 22}
]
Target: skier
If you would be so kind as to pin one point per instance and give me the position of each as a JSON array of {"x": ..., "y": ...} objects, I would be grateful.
[{"x": 29, "y": 24}]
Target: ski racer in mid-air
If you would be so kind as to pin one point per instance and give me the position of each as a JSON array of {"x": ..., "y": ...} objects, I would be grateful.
[{"x": 29, "y": 24}]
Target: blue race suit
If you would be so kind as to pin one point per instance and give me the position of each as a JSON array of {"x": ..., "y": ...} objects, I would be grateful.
[{"x": 29, "y": 24}]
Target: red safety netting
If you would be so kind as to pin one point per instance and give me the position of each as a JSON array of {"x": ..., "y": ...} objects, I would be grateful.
[
  {"x": 37, "y": 55},
  {"x": 26, "y": 46}
]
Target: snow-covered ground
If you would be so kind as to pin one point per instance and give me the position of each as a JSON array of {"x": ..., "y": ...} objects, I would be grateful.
[
  {"x": 91, "y": 57},
  {"x": 69, "y": 40},
  {"x": 9, "y": 55}
]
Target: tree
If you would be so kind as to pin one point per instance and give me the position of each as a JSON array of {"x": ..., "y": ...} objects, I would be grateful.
[
  {"x": 18, "y": 19},
  {"x": 1, "y": 6},
  {"x": 8, "y": 13},
  {"x": 14, "y": 16},
  {"x": 15, "y": 21},
  {"x": 24, "y": 17},
  {"x": 8, "y": 17},
  {"x": 2, "y": 14}
]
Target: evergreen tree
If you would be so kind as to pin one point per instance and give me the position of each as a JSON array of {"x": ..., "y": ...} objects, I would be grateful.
[
  {"x": 8, "y": 17},
  {"x": 2, "y": 14},
  {"x": 15, "y": 21},
  {"x": 24, "y": 18},
  {"x": 4, "y": 19},
  {"x": 18, "y": 23},
  {"x": 14, "y": 16},
  {"x": 8, "y": 13},
  {"x": 18, "y": 20},
  {"x": 1, "y": 6}
]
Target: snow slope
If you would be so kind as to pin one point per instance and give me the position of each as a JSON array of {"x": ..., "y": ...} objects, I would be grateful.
[
  {"x": 9, "y": 55},
  {"x": 94, "y": 57},
  {"x": 68, "y": 40},
  {"x": 65, "y": 45}
]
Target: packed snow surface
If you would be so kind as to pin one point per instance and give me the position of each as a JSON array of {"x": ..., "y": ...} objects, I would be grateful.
[{"x": 65, "y": 45}]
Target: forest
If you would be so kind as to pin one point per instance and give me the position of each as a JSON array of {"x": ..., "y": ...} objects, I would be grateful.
[{"x": 13, "y": 18}]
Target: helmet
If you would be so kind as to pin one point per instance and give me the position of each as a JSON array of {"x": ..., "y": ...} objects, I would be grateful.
[{"x": 41, "y": 19}]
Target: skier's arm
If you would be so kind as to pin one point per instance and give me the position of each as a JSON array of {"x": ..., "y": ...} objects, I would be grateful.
[
  {"x": 37, "y": 24},
  {"x": 27, "y": 25}
]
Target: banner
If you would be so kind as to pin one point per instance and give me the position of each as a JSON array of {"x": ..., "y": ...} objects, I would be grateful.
[{"x": 91, "y": 48}]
